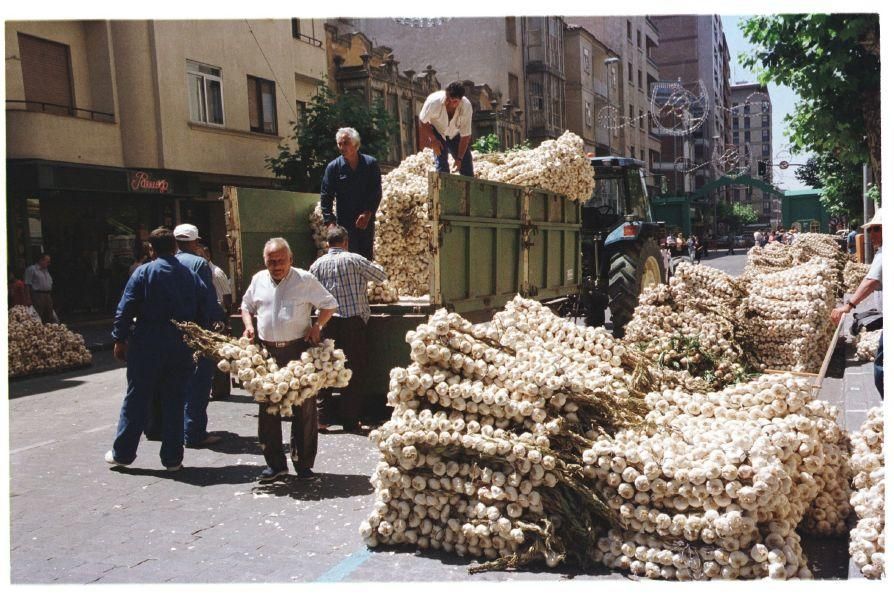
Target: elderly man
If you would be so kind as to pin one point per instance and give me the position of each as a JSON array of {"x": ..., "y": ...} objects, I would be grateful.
[
  {"x": 283, "y": 298},
  {"x": 445, "y": 125},
  {"x": 40, "y": 288},
  {"x": 345, "y": 275},
  {"x": 871, "y": 283},
  {"x": 354, "y": 181},
  {"x": 198, "y": 389},
  {"x": 159, "y": 363}
]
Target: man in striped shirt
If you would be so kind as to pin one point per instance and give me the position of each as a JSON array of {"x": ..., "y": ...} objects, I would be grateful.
[{"x": 345, "y": 275}]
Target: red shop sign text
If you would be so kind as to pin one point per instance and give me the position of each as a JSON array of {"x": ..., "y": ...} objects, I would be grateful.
[{"x": 141, "y": 181}]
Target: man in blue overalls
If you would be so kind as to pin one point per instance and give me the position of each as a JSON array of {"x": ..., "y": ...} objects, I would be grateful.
[
  {"x": 159, "y": 363},
  {"x": 354, "y": 181},
  {"x": 445, "y": 125},
  {"x": 198, "y": 389}
]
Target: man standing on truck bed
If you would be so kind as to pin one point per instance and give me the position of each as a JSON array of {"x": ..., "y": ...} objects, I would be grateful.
[
  {"x": 355, "y": 182},
  {"x": 445, "y": 125}
]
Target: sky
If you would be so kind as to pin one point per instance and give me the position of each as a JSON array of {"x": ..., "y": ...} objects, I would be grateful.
[{"x": 782, "y": 97}]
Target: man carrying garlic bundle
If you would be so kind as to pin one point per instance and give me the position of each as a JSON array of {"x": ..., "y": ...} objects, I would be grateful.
[
  {"x": 445, "y": 126},
  {"x": 283, "y": 297},
  {"x": 346, "y": 275},
  {"x": 871, "y": 283},
  {"x": 354, "y": 181}
]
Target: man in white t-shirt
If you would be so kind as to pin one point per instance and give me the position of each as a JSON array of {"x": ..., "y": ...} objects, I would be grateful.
[
  {"x": 445, "y": 125},
  {"x": 283, "y": 299}
]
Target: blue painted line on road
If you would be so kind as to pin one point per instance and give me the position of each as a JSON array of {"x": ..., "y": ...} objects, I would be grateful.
[{"x": 346, "y": 567}]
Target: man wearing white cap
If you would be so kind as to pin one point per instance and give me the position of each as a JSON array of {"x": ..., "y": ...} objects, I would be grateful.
[
  {"x": 198, "y": 389},
  {"x": 871, "y": 283}
]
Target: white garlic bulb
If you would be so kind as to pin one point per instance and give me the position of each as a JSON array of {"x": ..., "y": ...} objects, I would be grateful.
[{"x": 36, "y": 347}]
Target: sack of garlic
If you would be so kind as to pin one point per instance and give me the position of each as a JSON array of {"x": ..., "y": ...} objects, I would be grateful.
[
  {"x": 279, "y": 387},
  {"x": 36, "y": 347},
  {"x": 867, "y": 539}
]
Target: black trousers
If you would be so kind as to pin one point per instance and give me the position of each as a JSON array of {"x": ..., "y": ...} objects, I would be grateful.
[
  {"x": 303, "y": 438},
  {"x": 348, "y": 405}
]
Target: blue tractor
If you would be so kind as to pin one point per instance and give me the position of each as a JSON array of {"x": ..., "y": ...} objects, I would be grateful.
[{"x": 620, "y": 243}]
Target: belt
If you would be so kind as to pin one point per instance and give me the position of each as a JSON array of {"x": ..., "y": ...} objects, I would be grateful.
[{"x": 280, "y": 344}]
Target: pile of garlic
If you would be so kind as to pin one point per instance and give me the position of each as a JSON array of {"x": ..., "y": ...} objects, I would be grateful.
[
  {"x": 689, "y": 324},
  {"x": 279, "y": 387},
  {"x": 36, "y": 347},
  {"x": 854, "y": 273},
  {"x": 318, "y": 228},
  {"x": 716, "y": 484},
  {"x": 481, "y": 455},
  {"x": 559, "y": 165},
  {"x": 867, "y": 539},
  {"x": 784, "y": 318},
  {"x": 866, "y": 344}
]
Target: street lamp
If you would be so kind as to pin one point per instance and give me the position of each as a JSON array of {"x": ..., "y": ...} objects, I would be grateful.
[{"x": 608, "y": 83}]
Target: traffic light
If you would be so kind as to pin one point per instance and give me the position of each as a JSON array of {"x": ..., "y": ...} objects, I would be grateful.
[{"x": 761, "y": 168}]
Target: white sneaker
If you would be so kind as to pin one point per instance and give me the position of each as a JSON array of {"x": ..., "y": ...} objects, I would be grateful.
[
  {"x": 175, "y": 467},
  {"x": 110, "y": 458}
]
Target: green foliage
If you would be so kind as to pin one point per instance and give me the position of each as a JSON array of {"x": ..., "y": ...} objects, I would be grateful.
[
  {"x": 735, "y": 215},
  {"x": 874, "y": 193},
  {"x": 832, "y": 61},
  {"x": 303, "y": 157},
  {"x": 525, "y": 145},
  {"x": 745, "y": 213},
  {"x": 487, "y": 144},
  {"x": 841, "y": 184}
]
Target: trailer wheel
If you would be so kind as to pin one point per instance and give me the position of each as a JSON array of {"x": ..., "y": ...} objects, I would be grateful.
[{"x": 629, "y": 274}]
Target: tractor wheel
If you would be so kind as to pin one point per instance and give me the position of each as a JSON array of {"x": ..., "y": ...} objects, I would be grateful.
[{"x": 630, "y": 273}]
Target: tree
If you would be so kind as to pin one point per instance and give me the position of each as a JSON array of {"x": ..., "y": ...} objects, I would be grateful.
[
  {"x": 303, "y": 157},
  {"x": 832, "y": 61},
  {"x": 735, "y": 215},
  {"x": 841, "y": 184}
]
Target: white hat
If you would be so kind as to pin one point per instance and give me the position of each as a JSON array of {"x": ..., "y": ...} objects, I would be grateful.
[
  {"x": 876, "y": 219},
  {"x": 186, "y": 232}
]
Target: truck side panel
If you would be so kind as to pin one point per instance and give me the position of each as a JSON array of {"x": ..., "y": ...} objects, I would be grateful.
[{"x": 553, "y": 240}]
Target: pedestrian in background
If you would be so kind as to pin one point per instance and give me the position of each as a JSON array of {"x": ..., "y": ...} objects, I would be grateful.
[
  {"x": 354, "y": 181},
  {"x": 346, "y": 275},
  {"x": 40, "y": 288},
  {"x": 198, "y": 389},
  {"x": 852, "y": 239},
  {"x": 283, "y": 298},
  {"x": 17, "y": 290},
  {"x": 445, "y": 126},
  {"x": 159, "y": 362},
  {"x": 222, "y": 287}
]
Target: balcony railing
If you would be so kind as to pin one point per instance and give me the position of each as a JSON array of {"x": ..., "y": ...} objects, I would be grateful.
[{"x": 61, "y": 109}]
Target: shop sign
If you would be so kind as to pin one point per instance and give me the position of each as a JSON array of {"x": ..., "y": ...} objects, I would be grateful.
[{"x": 141, "y": 181}]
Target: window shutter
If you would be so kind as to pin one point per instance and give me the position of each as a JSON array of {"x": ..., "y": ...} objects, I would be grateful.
[
  {"x": 46, "y": 72},
  {"x": 254, "y": 118}
]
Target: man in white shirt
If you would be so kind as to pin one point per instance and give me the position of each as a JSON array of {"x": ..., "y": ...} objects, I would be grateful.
[
  {"x": 219, "y": 279},
  {"x": 283, "y": 298},
  {"x": 445, "y": 125},
  {"x": 40, "y": 286}
]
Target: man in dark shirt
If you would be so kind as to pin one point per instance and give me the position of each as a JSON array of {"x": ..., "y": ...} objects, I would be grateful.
[
  {"x": 355, "y": 182},
  {"x": 159, "y": 363}
]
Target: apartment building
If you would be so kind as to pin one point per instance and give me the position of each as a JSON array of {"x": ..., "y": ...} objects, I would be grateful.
[
  {"x": 694, "y": 53},
  {"x": 752, "y": 135},
  {"x": 587, "y": 90},
  {"x": 117, "y": 127}
]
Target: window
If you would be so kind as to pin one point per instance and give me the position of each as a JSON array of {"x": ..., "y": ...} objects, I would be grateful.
[
  {"x": 765, "y": 135},
  {"x": 765, "y": 121},
  {"x": 629, "y": 30},
  {"x": 747, "y": 108},
  {"x": 639, "y": 78},
  {"x": 46, "y": 74},
  {"x": 747, "y": 122},
  {"x": 735, "y": 137},
  {"x": 765, "y": 149},
  {"x": 261, "y": 105},
  {"x": 630, "y": 72},
  {"x": 639, "y": 38},
  {"x": 642, "y": 155},
  {"x": 587, "y": 61},
  {"x": 588, "y": 113},
  {"x": 747, "y": 135},
  {"x": 642, "y": 121},
  {"x": 513, "y": 90},
  {"x": 300, "y": 108},
  {"x": 205, "y": 97},
  {"x": 735, "y": 124},
  {"x": 510, "y": 30},
  {"x": 632, "y": 152},
  {"x": 630, "y": 109},
  {"x": 305, "y": 30}
]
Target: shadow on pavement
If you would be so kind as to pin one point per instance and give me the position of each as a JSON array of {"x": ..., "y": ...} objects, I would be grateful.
[
  {"x": 199, "y": 476},
  {"x": 321, "y": 487},
  {"x": 232, "y": 443},
  {"x": 828, "y": 558}
]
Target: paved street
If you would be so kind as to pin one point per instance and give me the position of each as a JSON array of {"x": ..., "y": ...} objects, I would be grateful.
[{"x": 74, "y": 520}]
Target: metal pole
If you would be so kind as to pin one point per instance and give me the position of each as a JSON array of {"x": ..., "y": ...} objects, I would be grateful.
[{"x": 868, "y": 212}]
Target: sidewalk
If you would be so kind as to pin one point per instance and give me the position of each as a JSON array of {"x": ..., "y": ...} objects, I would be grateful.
[{"x": 97, "y": 334}]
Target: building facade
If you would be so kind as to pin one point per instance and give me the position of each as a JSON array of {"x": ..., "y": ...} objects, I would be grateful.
[
  {"x": 752, "y": 135},
  {"x": 587, "y": 90},
  {"x": 117, "y": 127},
  {"x": 694, "y": 53}
]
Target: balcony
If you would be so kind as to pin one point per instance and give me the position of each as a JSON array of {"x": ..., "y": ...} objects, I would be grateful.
[{"x": 59, "y": 109}]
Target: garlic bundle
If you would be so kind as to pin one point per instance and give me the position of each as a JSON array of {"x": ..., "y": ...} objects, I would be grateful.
[
  {"x": 279, "y": 387},
  {"x": 715, "y": 484},
  {"x": 318, "y": 228},
  {"x": 36, "y": 347},
  {"x": 854, "y": 273},
  {"x": 866, "y": 344},
  {"x": 867, "y": 539}
]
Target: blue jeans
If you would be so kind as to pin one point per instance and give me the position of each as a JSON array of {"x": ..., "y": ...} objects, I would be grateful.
[
  {"x": 452, "y": 146},
  {"x": 196, "y": 395},
  {"x": 878, "y": 369},
  {"x": 158, "y": 363}
]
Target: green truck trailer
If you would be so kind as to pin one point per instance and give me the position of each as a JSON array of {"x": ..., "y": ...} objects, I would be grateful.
[
  {"x": 491, "y": 241},
  {"x": 803, "y": 210}
]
